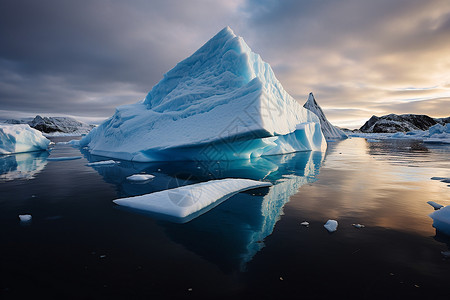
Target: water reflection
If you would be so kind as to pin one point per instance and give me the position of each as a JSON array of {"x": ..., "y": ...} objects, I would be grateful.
[
  {"x": 233, "y": 232},
  {"x": 22, "y": 165}
]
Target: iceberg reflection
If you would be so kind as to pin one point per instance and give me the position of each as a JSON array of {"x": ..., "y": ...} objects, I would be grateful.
[
  {"x": 231, "y": 233},
  {"x": 22, "y": 165}
]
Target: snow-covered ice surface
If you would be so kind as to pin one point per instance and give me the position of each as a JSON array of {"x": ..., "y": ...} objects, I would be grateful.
[
  {"x": 186, "y": 200},
  {"x": 140, "y": 177},
  {"x": 331, "y": 225},
  {"x": 329, "y": 131},
  {"x": 21, "y": 138},
  {"x": 441, "y": 219},
  {"x": 435, "y": 134},
  {"x": 222, "y": 103},
  {"x": 103, "y": 163}
]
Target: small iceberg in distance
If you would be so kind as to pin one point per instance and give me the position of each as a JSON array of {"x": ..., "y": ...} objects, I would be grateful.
[
  {"x": 140, "y": 177},
  {"x": 102, "y": 163},
  {"x": 184, "y": 201}
]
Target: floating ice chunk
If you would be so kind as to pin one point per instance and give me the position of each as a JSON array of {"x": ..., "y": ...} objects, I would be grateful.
[
  {"x": 435, "y": 205},
  {"x": 63, "y": 158},
  {"x": 304, "y": 224},
  {"x": 25, "y": 218},
  {"x": 183, "y": 201},
  {"x": 358, "y": 225},
  {"x": 140, "y": 177},
  {"x": 446, "y": 254},
  {"x": 103, "y": 163},
  {"x": 331, "y": 225},
  {"x": 441, "y": 219},
  {"x": 373, "y": 140},
  {"x": 21, "y": 138}
]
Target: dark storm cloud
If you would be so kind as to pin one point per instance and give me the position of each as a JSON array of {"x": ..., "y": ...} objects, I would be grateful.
[
  {"x": 358, "y": 57},
  {"x": 87, "y": 57}
]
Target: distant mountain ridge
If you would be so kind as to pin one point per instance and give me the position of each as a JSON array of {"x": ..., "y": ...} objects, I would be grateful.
[
  {"x": 329, "y": 131},
  {"x": 55, "y": 125},
  {"x": 400, "y": 123}
]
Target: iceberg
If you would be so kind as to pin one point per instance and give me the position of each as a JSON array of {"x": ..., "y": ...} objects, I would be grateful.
[
  {"x": 329, "y": 131},
  {"x": 186, "y": 200},
  {"x": 21, "y": 138},
  {"x": 140, "y": 177},
  {"x": 222, "y": 103},
  {"x": 103, "y": 163},
  {"x": 441, "y": 219}
]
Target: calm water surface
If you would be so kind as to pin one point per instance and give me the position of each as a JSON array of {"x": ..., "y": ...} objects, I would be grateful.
[{"x": 79, "y": 245}]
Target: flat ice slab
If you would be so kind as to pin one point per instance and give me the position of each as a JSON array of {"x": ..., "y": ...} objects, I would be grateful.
[
  {"x": 183, "y": 201},
  {"x": 435, "y": 205},
  {"x": 103, "y": 163},
  {"x": 63, "y": 158},
  {"x": 140, "y": 177},
  {"x": 331, "y": 225}
]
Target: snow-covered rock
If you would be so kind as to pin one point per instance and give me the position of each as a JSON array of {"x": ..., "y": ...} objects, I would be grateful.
[
  {"x": 435, "y": 134},
  {"x": 60, "y": 125},
  {"x": 183, "y": 201},
  {"x": 21, "y": 138},
  {"x": 55, "y": 126},
  {"x": 329, "y": 131},
  {"x": 397, "y": 123},
  {"x": 222, "y": 103}
]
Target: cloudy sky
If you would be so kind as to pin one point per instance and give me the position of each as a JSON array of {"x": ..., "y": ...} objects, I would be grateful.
[{"x": 359, "y": 57}]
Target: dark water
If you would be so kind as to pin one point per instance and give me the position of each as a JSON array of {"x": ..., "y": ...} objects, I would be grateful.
[{"x": 79, "y": 245}]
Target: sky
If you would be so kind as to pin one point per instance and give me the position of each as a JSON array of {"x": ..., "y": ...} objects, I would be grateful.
[{"x": 359, "y": 57}]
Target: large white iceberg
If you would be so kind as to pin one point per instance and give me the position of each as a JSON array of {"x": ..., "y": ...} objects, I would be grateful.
[
  {"x": 183, "y": 201},
  {"x": 223, "y": 102},
  {"x": 21, "y": 138}
]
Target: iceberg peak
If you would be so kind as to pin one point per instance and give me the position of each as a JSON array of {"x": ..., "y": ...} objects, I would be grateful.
[{"x": 223, "y": 96}]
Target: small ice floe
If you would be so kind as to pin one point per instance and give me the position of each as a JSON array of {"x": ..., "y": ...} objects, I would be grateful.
[
  {"x": 358, "y": 225},
  {"x": 331, "y": 225},
  {"x": 140, "y": 177},
  {"x": 25, "y": 218},
  {"x": 63, "y": 158},
  {"x": 435, "y": 205},
  {"x": 306, "y": 224},
  {"x": 373, "y": 141},
  {"x": 441, "y": 219},
  {"x": 102, "y": 163}
]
